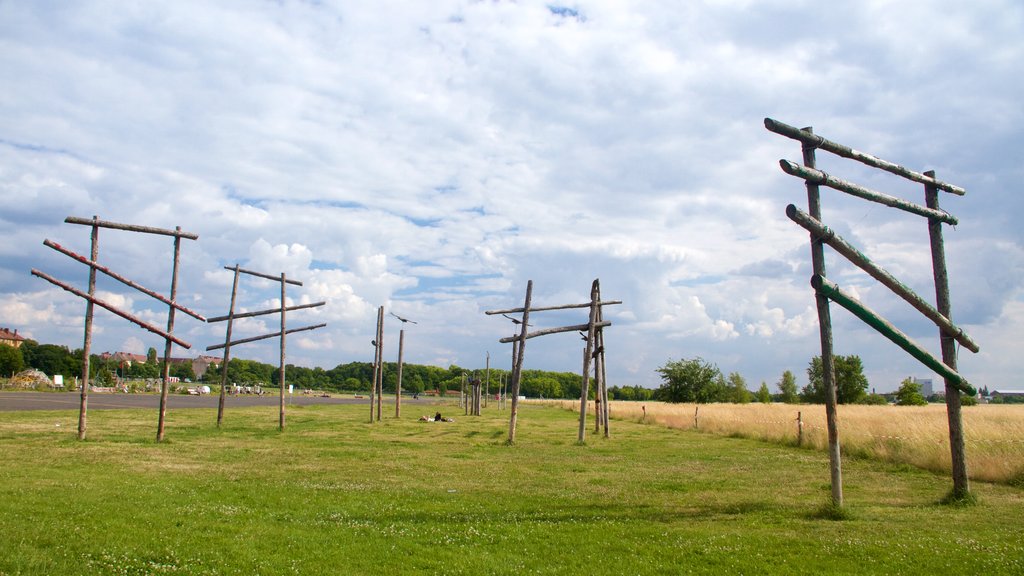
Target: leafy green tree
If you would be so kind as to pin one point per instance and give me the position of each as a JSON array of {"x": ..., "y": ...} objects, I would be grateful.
[
  {"x": 182, "y": 370},
  {"x": 874, "y": 400},
  {"x": 787, "y": 388},
  {"x": 691, "y": 381},
  {"x": 51, "y": 359},
  {"x": 851, "y": 384},
  {"x": 151, "y": 356},
  {"x": 763, "y": 395},
  {"x": 909, "y": 394},
  {"x": 738, "y": 393},
  {"x": 11, "y": 360}
]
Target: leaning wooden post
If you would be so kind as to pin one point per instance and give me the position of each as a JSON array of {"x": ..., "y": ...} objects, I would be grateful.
[
  {"x": 585, "y": 388},
  {"x": 280, "y": 374},
  {"x": 696, "y": 409},
  {"x": 398, "y": 385},
  {"x": 518, "y": 353},
  {"x": 227, "y": 351},
  {"x": 465, "y": 395},
  {"x": 825, "y": 333},
  {"x": 84, "y": 405},
  {"x": 168, "y": 343},
  {"x": 604, "y": 384},
  {"x": 961, "y": 484},
  {"x": 376, "y": 364}
]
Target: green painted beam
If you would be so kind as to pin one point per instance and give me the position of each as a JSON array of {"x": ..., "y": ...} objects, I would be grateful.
[{"x": 832, "y": 291}]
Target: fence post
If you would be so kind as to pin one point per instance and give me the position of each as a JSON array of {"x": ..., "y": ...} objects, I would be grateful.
[
  {"x": 799, "y": 429},
  {"x": 695, "y": 411}
]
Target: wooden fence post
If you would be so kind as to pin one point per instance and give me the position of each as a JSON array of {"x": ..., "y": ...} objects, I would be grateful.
[{"x": 799, "y": 429}]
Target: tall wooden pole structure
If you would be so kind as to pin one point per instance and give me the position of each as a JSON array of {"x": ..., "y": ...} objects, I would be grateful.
[
  {"x": 284, "y": 332},
  {"x": 828, "y": 370},
  {"x": 380, "y": 364},
  {"x": 398, "y": 384},
  {"x": 87, "y": 345},
  {"x": 519, "y": 351},
  {"x": 227, "y": 350},
  {"x": 168, "y": 344},
  {"x": 487, "y": 379},
  {"x": 961, "y": 483},
  {"x": 585, "y": 388}
]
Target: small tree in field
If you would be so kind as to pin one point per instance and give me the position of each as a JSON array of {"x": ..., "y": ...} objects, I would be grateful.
[
  {"x": 851, "y": 384},
  {"x": 787, "y": 388},
  {"x": 909, "y": 394},
  {"x": 763, "y": 395},
  {"x": 691, "y": 381},
  {"x": 738, "y": 389}
]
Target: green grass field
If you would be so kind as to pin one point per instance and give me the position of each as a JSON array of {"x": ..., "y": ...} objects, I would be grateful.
[{"x": 334, "y": 494}]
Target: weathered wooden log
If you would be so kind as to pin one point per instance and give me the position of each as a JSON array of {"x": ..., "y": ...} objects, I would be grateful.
[
  {"x": 958, "y": 451},
  {"x": 547, "y": 331},
  {"x": 122, "y": 279},
  {"x": 517, "y": 371},
  {"x": 828, "y": 369},
  {"x": 584, "y": 389},
  {"x": 828, "y": 236},
  {"x": 265, "y": 312},
  {"x": 809, "y": 138},
  {"x": 833, "y": 292},
  {"x": 111, "y": 308},
  {"x": 227, "y": 350},
  {"x": 823, "y": 179},
  {"x": 131, "y": 227},
  {"x": 267, "y": 276},
  {"x": 548, "y": 308},
  {"x": 265, "y": 336}
]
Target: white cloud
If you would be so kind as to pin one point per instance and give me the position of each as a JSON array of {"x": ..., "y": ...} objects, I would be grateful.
[{"x": 434, "y": 158}]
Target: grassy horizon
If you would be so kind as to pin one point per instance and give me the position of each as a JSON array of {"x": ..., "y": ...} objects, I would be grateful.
[{"x": 334, "y": 494}]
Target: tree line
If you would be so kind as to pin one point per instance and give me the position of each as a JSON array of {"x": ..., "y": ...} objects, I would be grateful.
[{"x": 53, "y": 359}]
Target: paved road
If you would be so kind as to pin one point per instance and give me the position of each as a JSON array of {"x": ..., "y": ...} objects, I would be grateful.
[{"x": 101, "y": 401}]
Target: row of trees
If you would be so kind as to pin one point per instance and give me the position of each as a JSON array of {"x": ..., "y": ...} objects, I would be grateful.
[{"x": 699, "y": 381}]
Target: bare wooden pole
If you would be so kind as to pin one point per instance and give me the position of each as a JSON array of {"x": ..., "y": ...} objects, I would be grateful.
[
  {"x": 487, "y": 380},
  {"x": 227, "y": 351},
  {"x": 549, "y": 308},
  {"x": 558, "y": 330},
  {"x": 264, "y": 336},
  {"x": 585, "y": 388},
  {"x": 518, "y": 354},
  {"x": 961, "y": 483},
  {"x": 87, "y": 344},
  {"x": 465, "y": 396},
  {"x": 380, "y": 364},
  {"x": 169, "y": 343},
  {"x": 825, "y": 331},
  {"x": 604, "y": 385},
  {"x": 373, "y": 377},
  {"x": 284, "y": 332},
  {"x": 398, "y": 385}
]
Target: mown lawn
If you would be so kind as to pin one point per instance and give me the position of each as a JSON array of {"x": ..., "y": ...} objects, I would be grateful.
[{"x": 334, "y": 494}]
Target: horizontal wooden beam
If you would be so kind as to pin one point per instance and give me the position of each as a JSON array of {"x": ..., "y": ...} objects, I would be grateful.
[
  {"x": 267, "y": 276},
  {"x": 819, "y": 177},
  {"x": 547, "y": 331},
  {"x": 130, "y": 227},
  {"x": 547, "y": 308},
  {"x": 264, "y": 312},
  {"x": 265, "y": 336},
  {"x": 813, "y": 140}
]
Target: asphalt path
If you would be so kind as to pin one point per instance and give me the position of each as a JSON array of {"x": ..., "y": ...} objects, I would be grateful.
[{"x": 108, "y": 401}]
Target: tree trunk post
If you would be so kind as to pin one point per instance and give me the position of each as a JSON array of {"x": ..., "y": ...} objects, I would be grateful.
[
  {"x": 799, "y": 429},
  {"x": 227, "y": 351},
  {"x": 825, "y": 333},
  {"x": 585, "y": 388},
  {"x": 83, "y": 407},
  {"x": 961, "y": 483},
  {"x": 398, "y": 386},
  {"x": 380, "y": 363},
  {"x": 168, "y": 344},
  {"x": 519, "y": 351},
  {"x": 284, "y": 331}
]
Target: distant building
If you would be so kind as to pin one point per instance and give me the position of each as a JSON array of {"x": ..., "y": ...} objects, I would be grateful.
[
  {"x": 1007, "y": 393},
  {"x": 926, "y": 387},
  {"x": 10, "y": 338}
]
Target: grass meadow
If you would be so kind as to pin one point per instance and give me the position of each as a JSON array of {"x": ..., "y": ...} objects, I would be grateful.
[
  {"x": 915, "y": 435},
  {"x": 334, "y": 494}
]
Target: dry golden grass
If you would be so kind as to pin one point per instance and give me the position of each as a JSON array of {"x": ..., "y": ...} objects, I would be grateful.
[{"x": 915, "y": 435}]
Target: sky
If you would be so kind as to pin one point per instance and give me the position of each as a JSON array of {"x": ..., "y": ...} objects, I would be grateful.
[{"x": 433, "y": 157}]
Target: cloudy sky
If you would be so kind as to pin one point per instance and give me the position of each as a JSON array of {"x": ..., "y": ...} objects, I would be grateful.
[{"x": 432, "y": 157}]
